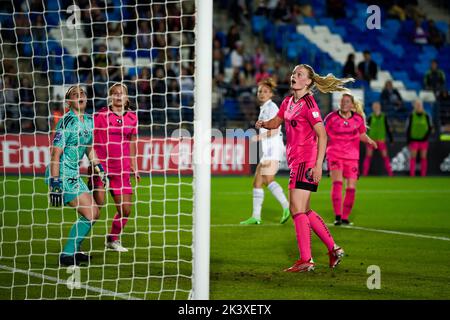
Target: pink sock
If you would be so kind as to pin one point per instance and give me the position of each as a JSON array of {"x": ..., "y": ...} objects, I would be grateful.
[
  {"x": 348, "y": 202},
  {"x": 117, "y": 226},
  {"x": 423, "y": 167},
  {"x": 366, "y": 165},
  {"x": 320, "y": 228},
  {"x": 387, "y": 165},
  {"x": 412, "y": 167},
  {"x": 303, "y": 232},
  {"x": 336, "y": 197}
]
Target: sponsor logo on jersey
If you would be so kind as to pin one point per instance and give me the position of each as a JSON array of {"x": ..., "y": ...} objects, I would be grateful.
[{"x": 57, "y": 137}]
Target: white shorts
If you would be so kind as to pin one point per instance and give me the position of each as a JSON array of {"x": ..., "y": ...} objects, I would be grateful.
[
  {"x": 272, "y": 151},
  {"x": 269, "y": 167}
]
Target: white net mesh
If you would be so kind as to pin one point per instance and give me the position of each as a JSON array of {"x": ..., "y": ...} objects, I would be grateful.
[{"x": 47, "y": 46}]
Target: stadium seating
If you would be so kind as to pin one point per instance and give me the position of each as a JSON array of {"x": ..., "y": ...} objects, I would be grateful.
[{"x": 321, "y": 37}]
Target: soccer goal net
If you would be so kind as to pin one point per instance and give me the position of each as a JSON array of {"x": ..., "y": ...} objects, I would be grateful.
[{"x": 151, "y": 48}]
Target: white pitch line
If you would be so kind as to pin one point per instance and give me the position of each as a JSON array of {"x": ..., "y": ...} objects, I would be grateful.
[
  {"x": 64, "y": 282},
  {"x": 237, "y": 225},
  {"x": 393, "y": 191},
  {"x": 415, "y": 235},
  {"x": 408, "y": 234}
]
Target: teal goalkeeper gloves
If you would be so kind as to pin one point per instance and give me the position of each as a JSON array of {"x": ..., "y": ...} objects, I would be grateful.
[{"x": 98, "y": 169}]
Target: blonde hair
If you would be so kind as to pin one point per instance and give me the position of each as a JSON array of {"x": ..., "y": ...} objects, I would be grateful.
[
  {"x": 268, "y": 82},
  {"x": 125, "y": 89},
  {"x": 357, "y": 104},
  {"x": 326, "y": 84}
]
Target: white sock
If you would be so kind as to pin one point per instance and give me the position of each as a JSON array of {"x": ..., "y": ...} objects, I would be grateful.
[
  {"x": 278, "y": 193},
  {"x": 258, "y": 198}
]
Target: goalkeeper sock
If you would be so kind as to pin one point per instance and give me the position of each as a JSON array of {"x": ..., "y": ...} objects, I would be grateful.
[
  {"x": 336, "y": 197},
  {"x": 278, "y": 193},
  {"x": 348, "y": 202},
  {"x": 78, "y": 232},
  {"x": 303, "y": 232},
  {"x": 258, "y": 198},
  {"x": 320, "y": 228},
  {"x": 118, "y": 224}
]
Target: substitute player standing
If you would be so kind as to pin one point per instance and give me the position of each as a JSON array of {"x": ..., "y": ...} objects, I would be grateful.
[
  {"x": 418, "y": 131},
  {"x": 378, "y": 129},
  {"x": 272, "y": 150},
  {"x": 345, "y": 129},
  {"x": 115, "y": 130},
  {"x": 305, "y": 149},
  {"x": 72, "y": 140}
]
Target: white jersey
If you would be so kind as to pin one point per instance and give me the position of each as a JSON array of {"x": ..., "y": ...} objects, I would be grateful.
[{"x": 272, "y": 147}]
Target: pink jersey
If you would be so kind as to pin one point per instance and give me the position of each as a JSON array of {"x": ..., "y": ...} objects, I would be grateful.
[
  {"x": 112, "y": 137},
  {"x": 299, "y": 119},
  {"x": 344, "y": 135}
]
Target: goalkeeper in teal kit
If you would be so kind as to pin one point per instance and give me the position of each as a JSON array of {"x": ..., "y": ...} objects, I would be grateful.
[{"x": 72, "y": 140}]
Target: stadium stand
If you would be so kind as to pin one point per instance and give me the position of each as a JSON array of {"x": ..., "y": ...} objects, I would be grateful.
[
  {"x": 138, "y": 52},
  {"x": 325, "y": 38},
  {"x": 319, "y": 33}
]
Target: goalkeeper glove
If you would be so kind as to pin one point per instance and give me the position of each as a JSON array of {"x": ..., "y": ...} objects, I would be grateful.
[
  {"x": 55, "y": 192},
  {"x": 98, "y": 168}
]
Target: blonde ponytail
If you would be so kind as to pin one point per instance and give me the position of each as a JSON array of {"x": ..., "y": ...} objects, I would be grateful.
[
  {"x": 326, "y": 84},
  {"x": 330, "y": 83},
  {"x": 359, "y": 109}
]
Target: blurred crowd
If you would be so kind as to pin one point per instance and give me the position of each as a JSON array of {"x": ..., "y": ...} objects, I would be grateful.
[
  {"x": 237, "y": 68},
  {"x": 163, "y": 33}
]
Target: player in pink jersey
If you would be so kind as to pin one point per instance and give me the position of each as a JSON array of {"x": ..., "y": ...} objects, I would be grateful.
[
  {"x": 345, "y": 127},
  {"x": 305, "y": 150},
  {"x": 115, "y": 130}
]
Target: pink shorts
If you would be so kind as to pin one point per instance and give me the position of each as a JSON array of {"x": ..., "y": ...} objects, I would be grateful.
[
  {"x": 381, "y": 146},
  {"x": 118, "y": 183},
  {"x": 300, "y": 176},
  {"x": 418, "y": 145},
  {"x": 349, "y": 168}
]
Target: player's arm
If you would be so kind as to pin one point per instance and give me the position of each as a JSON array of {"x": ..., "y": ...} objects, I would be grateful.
[
  {"x": 267, "y": 134},
  {"x": 133, "y": 158},
  {"x": 97, "y": 167},
  {"x": 54, "y": 161},
  {"x": 366, "y": 139},
  {"x": 55, "y": 180},
  {"x": 321, "y": 133},
  {"x": 273, "y": 123}
]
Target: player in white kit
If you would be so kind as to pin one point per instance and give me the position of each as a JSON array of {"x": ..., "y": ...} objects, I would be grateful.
[{"x": 272, "y": 152}]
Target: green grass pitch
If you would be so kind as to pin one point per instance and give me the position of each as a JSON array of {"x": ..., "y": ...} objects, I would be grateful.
[{"x": 246, "y": 261}]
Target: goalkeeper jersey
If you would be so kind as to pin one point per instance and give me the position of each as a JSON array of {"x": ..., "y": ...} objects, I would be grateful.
[{"x": 73, "y": 136}]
